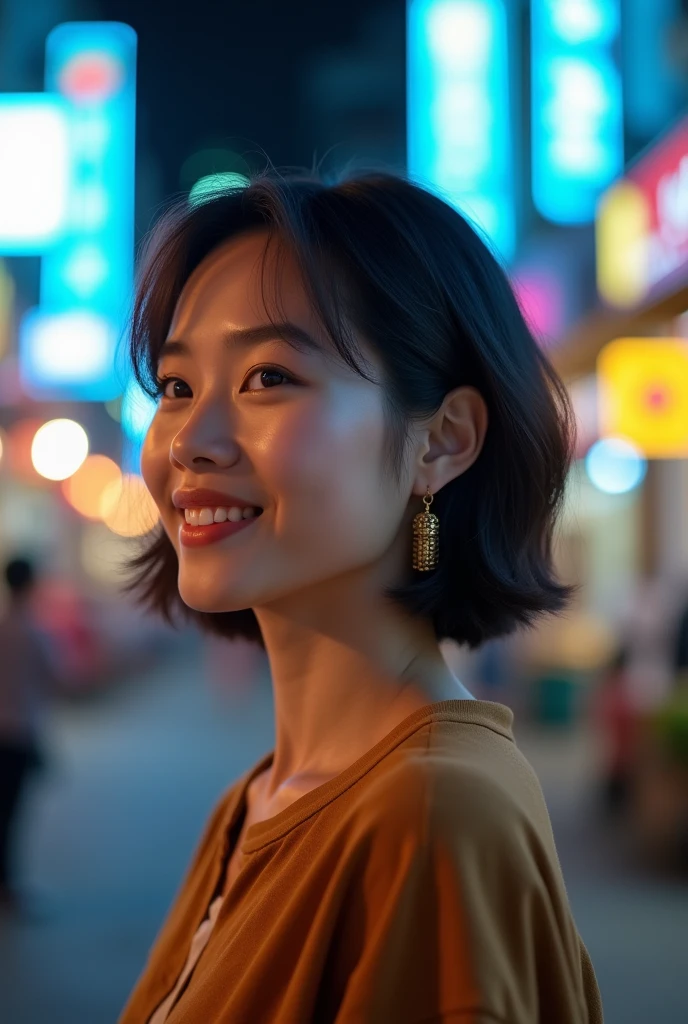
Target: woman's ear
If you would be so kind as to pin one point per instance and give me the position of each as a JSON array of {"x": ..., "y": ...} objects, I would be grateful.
[{"x": 451, "y": 440}]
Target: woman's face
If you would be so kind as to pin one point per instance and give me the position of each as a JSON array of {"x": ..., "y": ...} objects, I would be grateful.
[{"x": 292, "y": 431}]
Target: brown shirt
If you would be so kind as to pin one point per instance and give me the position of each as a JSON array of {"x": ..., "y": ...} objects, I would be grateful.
[{"x": 421, "y": 885}]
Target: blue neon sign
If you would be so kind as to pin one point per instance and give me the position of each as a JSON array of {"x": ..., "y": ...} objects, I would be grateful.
[
  {"x": 458, "y": 110},
  {"x": 577, "y": 114},
  {"x": 87, "y": 276}
]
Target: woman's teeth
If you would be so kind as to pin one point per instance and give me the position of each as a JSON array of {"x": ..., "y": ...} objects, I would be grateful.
[{"x": 206, "y": 516}]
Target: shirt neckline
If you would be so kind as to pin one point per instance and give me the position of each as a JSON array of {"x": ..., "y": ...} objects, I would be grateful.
[{"x": 488, "y": 714}]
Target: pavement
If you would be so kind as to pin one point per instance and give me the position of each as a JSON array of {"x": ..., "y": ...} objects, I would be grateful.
[{"x": 109, "y": 830}]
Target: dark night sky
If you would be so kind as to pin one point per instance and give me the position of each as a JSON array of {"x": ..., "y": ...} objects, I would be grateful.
[{"x": 210, "y": 73}]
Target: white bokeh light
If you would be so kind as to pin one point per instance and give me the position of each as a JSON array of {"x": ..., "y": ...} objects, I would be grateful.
[
  {"x": 59, "y": 448},
  {"x": 34, "y": 171},
  {"x": 615, "y": 466},
  {"x": 59, "y": 347}
]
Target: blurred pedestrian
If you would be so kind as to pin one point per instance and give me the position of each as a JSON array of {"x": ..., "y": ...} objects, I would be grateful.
[
  {"x": 681, "y": 646},
  {"x": 617, "y": 720},
  {"x": 26, "y": 677}
]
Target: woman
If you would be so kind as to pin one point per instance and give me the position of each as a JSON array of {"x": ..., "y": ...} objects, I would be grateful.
[{"x": 332, "y": 362}]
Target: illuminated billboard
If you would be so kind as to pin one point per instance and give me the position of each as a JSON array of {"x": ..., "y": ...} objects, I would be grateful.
[
  {"x": 34, "y": 172},
  {"x": 458, "y": 110},
  {"x": 643, "y": 394},
  {"x": 642, "y": 225},
  {"x": 87, "y": 276},
  {"x": 577, "y": 112}
]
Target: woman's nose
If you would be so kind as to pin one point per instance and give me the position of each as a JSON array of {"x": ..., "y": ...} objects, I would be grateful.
[{"x": 204, "y": 440}]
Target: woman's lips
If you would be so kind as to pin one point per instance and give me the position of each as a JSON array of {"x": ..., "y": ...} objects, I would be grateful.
[{"x": 198, "y": 536}]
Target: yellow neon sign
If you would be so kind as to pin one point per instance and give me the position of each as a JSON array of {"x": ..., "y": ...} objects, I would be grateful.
[{"x": 643, "y": 394}]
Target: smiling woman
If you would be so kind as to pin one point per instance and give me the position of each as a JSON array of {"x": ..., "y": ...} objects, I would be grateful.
[
  {"x": 398, "y": 288},
  {"x": 358, "y": 451}
]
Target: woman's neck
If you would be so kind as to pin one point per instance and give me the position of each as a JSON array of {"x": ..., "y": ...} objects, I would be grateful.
[{"x": 342, "y": 687}]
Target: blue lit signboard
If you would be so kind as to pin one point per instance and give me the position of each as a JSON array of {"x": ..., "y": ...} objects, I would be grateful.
[
  {"x": 577, "y": 114},
  {"x": 458, "y": 110},
  {"x": 87, "y": 276}
]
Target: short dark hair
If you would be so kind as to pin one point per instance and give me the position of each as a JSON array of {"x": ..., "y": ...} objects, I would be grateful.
[
  {"x": 20, "y": 575},
  {"x": 389, "y": 259}
]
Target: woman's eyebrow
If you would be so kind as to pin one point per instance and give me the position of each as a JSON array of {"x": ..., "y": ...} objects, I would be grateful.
[
  {"x": 245, "y": 337},
  {"x": 294, "y": 335}
]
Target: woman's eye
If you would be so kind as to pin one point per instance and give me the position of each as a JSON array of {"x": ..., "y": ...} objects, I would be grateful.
[
  {"x": 266, "y": 376},
  {"x": 174, "y": 387},
  {"x": 259, "y": 380}
]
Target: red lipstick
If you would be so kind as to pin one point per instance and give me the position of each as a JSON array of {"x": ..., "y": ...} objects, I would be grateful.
[
  {"x": 192, "y": 535},
  {"x": 198, "y": 536}
]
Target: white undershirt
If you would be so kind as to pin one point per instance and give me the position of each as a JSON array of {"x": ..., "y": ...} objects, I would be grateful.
[{"x": 198, "y": 944}]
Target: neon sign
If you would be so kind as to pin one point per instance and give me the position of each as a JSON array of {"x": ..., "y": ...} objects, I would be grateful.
[
  {"x": 458, "y": 110},
  {"x": 34, "y": 172},
  {"x": 87, "y": 276},
  {"x": 643, "y": 394},
  {"x": 577, "y": 124},
  {"x": 642, "y": 225}
]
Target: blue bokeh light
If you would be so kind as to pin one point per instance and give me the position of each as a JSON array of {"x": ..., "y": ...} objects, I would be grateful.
[{"x": 615, "y": 466}]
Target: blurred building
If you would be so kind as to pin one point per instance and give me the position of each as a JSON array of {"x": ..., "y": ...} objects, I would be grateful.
[{"x": 628, "y": 540}]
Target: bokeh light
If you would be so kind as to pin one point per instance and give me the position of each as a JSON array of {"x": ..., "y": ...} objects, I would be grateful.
[
  {"x": 217, "y": 160},
  {"x": 128, "y": 508},
  {"x": 64, "y": 349},
  {"x": 622, "y": 229},
  {"x": 85, "y": 489},
  {"x": 615, "y": 466},
  {"x": 209, "y": 185},
  {"x": 59, "y": 448},
  {"x": 643, "y": 394},
  {"x": 541, "y": 300},
  {"x": 34, "y": 171}
]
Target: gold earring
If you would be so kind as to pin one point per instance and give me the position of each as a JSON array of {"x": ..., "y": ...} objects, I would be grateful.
[{"x": 426, "y": 529}]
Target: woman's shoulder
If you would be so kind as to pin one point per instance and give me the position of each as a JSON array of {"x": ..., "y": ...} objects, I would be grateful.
[{"x": 459, "y": 792}]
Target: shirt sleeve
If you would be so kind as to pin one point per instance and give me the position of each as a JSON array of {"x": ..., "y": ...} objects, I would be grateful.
[{"x": 461, "y": 915}]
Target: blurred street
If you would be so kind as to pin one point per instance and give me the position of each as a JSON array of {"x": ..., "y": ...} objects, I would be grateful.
[{"x": 134, "y": 773}]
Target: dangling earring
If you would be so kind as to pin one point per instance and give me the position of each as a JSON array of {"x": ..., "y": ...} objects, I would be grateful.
[{"x": 426, "y": 529}]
